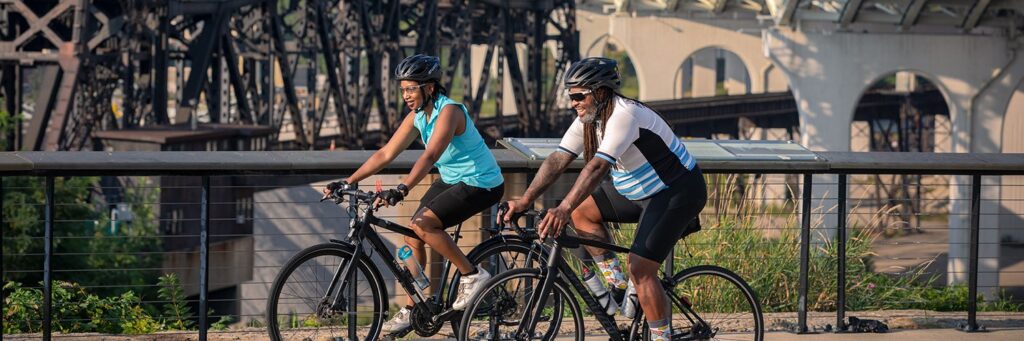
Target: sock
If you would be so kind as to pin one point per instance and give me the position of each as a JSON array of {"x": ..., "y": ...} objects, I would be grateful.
[
  {"x": 612, "y": 270},
  {"x": 660, "y": 330}
]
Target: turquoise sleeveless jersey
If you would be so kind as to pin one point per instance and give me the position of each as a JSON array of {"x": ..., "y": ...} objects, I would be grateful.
[{"x": 467, "y": 158}]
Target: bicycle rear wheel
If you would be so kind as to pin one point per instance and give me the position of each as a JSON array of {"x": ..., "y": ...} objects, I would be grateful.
[
  {"x": 713, "y": 303},
  {"x": 299, "y": 306},
  {"x": 496, "y": 313}
]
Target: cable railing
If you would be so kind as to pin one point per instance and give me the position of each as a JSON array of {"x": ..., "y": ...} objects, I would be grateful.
[{"x": 203, "y": 234}]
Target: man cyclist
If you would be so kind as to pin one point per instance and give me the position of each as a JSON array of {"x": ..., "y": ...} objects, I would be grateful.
[
  {"x": 654, "y": 182},
  {"x": 470, "y": 178}
]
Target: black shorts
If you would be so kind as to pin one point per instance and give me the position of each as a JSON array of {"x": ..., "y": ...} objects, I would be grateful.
[
  {"x": 662, "y": 219},
  {"x": 453, "y": 204}
]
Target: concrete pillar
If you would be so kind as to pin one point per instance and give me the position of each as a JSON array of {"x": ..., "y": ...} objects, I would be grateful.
[
  {"x": 736, "y": 79},
  {"x": 906, "y": 81},
  {"x": 1011, "y": 216},
  {"x": 829, "y": 71},
  {"x": 704, "y": 73}
]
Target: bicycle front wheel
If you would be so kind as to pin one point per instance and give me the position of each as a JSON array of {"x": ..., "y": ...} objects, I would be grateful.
[
  {"x": 713, "y": 303},
  {"x": 497, "y": 312},
  {"x": 300, "y": 307}
]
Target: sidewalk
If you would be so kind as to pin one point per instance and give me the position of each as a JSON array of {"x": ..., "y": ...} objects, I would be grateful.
[{"x": 899, "y": 335}]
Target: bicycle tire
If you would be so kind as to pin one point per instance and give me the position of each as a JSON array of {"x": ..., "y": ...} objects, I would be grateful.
[
  {"x": 496, "y": 291},
  {"x": 723, "y": 300},
  {"x": 334, "y": 254}
]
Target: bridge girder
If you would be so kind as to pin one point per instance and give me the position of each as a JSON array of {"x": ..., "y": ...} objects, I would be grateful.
[{"x": 118, "y": 53}]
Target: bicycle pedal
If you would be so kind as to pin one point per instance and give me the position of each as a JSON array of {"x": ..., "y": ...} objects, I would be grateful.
[{"x": 398, "y": 334}]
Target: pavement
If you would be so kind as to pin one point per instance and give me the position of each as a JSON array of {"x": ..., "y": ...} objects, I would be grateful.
[{"x": 898, "y": 335}]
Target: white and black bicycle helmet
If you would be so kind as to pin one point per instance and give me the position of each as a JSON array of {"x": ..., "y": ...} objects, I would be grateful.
[
  {"x": 420, "y": 68},
  {"x": 593, "y": 72}
]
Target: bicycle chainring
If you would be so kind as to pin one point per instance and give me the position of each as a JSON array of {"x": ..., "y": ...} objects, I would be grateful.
[{"x": 423, "y": 319}]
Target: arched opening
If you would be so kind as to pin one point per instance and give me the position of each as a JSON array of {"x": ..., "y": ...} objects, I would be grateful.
[
  {"x": 903, "y": 111},
  {"x": 712, "y": 71},
  {"x": 610, "y": 48}
]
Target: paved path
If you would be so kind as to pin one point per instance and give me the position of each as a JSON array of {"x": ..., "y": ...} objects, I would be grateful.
[{"x": 899, "y": 335}]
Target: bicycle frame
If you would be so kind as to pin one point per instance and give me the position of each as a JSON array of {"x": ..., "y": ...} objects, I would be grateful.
[
  {"x": 361, "y": 230},
  {"x": 556, "y": 266}
]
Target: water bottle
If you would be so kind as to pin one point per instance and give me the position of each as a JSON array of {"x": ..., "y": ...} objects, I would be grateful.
[
  {"x": 601, "y": 293},
  {"x": 629, "y": 306},
  {"x": 413, "y": 266}
]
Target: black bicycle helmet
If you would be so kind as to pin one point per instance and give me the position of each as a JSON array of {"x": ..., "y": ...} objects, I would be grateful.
[
  {"x": 593, "y": 72},
  {"x": 420, "y": 68}
]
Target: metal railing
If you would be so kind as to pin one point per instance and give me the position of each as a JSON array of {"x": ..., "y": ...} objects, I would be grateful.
[{"x": 777, "y": 199}]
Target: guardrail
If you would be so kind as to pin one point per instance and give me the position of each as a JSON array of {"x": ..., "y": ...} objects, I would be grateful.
[{"x": 978, "y": 183}]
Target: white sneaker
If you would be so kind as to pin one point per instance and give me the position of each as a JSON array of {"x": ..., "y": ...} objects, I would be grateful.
[
  {"x": 399, "y": 322},
  {"x": 470, "y": 286}
]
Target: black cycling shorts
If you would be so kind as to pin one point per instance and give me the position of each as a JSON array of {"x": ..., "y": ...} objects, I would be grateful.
[
  {"x": 662, "y": 219},
  {"x": 453, "y": 204}
]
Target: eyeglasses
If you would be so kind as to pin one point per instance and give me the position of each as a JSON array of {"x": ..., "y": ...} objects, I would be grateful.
[
  {"x": 410, "y": 89},
  {"x": 579, "y": 96}
]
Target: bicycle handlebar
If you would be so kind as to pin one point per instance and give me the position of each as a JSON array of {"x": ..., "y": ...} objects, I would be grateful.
[
  {"x": 529, "y": 232},
  {"x": 339, "y": 195}
]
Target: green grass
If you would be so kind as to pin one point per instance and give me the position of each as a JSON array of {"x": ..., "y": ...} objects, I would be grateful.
[{"x": 765, "y": 252}]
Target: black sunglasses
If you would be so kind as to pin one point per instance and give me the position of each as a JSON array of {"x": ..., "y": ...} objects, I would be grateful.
[{"x": 579, "y": 96}]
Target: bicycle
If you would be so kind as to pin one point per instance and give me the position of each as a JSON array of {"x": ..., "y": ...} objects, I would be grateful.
[
  {"x": 320, "y": 292},
  {"x": 708, "y": 302}
]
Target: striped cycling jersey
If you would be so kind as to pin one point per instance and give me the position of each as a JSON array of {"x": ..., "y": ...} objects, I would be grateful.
[{"x": 645, "y": 154}]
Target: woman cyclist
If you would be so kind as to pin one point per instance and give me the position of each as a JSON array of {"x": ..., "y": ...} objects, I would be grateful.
[{"x": 470, "y": 178}]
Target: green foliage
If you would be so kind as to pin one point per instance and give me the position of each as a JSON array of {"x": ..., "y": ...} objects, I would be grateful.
[
  {"x": 75, "y": 310},
  {"x": 7, "y": 123},
  {"x": 178, "y": 315},
  {"x": 82, "y": 239}
]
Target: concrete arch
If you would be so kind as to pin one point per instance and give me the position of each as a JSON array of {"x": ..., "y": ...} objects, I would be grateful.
[
  {"x": 943, "y": 89},
  {"x": 598, "y": 47},
  {"x": 699, "y": 72},
  {"x": 646, "y": 37},
  {"x": 862, "y": 143},
  {"x": 773, "y": 79}
]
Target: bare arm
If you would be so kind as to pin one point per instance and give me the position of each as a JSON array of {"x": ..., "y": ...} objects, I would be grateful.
[
  {"x": 549, "y": 171},
  {"x": 448, "y": 121},
  {"x": 557, "y": 217},
  {"x": 403, "y": 137},
  {"x": 591, "y": 175}
]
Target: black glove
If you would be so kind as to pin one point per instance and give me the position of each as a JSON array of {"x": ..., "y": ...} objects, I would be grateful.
[
  {"x": 391, "y": 196},
  {"x": 336, "y": 186}
]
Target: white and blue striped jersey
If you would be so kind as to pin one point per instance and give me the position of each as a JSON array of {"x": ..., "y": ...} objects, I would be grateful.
[{"x": 646, "y": 156}]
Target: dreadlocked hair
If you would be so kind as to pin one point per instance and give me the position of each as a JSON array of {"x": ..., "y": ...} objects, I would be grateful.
[{"x": 605, "y": 99}]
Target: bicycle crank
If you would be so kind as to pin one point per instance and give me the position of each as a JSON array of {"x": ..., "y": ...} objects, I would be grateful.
[{"x": 423, "y": 321}]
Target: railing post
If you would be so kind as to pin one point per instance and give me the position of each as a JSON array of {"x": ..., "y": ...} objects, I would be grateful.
[
  {"x": 972, "y": 275},
  {"x": 841, "y": 253},
  {"x": 47, "y": 261},
  {"x": 3, "y": 274},
  {"x": 204, "y": 257},
  {"x": 805, "y": 254}
]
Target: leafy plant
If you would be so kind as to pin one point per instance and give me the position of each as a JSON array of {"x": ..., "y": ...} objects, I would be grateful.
[{"x": 177, "y": 314}]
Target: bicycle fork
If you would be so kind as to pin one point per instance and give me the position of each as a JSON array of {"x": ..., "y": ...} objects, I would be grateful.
[{"x": 535, "y": 305}]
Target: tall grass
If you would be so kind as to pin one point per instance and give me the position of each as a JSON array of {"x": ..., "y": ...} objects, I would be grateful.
[{"x": 761, "y": 243}]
